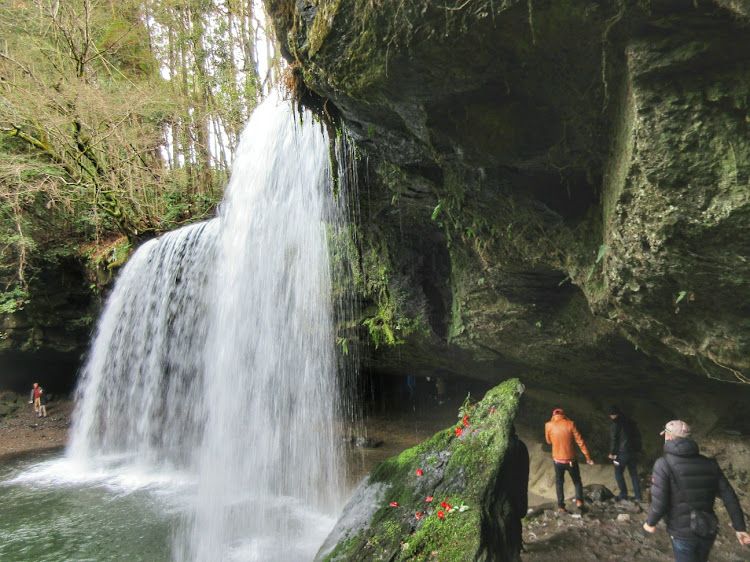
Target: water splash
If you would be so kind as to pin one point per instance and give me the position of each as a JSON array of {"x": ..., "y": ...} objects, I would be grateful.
[{"x": 215, "y": 355}]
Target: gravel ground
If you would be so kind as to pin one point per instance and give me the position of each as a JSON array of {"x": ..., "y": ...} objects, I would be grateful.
[
  {"x": 21, "y": 431},
  {"x": 611, "y": 530}
]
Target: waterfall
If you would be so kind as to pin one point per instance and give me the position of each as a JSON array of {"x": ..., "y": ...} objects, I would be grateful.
[{"x": 215, "y": 355}]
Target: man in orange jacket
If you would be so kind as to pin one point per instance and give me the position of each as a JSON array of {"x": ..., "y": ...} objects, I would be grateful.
[{"x": 560, "y": 433}]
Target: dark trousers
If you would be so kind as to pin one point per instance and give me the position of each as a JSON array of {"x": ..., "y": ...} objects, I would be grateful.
[
  {"x": 629, "y": 461},
  {"x": 560, "y": 469},
  {"x": 692, "y": 551}
]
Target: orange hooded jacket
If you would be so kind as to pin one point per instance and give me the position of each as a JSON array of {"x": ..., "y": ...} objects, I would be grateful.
[{"x": 560, "y": 432}]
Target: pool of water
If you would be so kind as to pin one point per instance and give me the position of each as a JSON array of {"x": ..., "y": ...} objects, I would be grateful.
[{"x": 53, "y": 509}]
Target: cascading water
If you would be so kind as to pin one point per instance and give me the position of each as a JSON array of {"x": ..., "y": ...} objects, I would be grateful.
[
  {"x": 215, "y": 357},
  {"x": 146, "y": 361}
]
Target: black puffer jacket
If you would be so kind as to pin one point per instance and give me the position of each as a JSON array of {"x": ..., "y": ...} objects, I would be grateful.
[{"x": 694, "y": 481}]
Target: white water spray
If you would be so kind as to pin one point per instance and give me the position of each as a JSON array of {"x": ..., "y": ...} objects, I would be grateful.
[{"x": 215, "y": 356}]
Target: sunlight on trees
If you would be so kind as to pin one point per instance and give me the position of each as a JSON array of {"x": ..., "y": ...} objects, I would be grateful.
[{"x": 118, "y": 120}]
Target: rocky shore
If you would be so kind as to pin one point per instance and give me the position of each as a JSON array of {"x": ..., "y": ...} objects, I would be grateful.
[
  {"x": 22, "y": 431},
  {"x": 608, "y": 529}
]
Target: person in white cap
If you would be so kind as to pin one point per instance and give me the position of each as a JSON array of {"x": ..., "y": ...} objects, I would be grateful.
[{"x": 684, "y": 486}]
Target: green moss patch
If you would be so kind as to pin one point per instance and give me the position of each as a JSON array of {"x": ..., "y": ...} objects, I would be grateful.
[{"x": 435, "y": 493}]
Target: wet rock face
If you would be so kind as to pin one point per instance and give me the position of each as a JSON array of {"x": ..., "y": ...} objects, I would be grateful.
[
  {"x": 675, "y": 269},
  {"x": 577, "y": 173},
  {"x": 57, "y": 316}
]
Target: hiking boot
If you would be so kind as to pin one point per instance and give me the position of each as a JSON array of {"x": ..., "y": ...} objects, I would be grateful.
[
  {"x": 579, "y": 503},
  {"x": 562, "y": 510}
]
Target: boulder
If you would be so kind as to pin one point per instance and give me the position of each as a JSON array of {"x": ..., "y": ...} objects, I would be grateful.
[{"x": 449, "y": 496}]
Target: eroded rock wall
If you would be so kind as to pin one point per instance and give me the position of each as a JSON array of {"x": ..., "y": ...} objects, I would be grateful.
[{"x": 558, "y": 189}]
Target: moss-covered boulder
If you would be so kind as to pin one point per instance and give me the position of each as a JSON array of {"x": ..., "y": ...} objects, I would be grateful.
[{"x": 448, "y": 498}]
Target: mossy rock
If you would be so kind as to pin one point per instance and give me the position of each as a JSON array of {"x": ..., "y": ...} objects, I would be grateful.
[{"x": 465, "y": 475}]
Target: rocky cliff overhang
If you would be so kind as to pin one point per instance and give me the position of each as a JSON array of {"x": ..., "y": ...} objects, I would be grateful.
[{"x": 555, "y": 187}]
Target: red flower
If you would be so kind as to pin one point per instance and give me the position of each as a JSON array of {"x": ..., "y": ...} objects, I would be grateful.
[
  {"x": 418, "y": 514},
  {"x": 394, "y": 504},
  {"x": 441, "y": 515},
  {"x": 466, "y": 417},
  {"x": 458, "y": 431},
  {"x": 446, "y": 505},
  {"x": 466, "y": 422},
  {"x": 419, "y": 472},
  {"x": 492, "y": 410},
  {"x": 428, "y": 499}
]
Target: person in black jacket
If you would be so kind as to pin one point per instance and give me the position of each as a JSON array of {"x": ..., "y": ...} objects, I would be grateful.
[
  {"x": 501, "y": 525},
  {"x": 684, "y": 487},
  {"x": 624, "y": 445},
  {"x": 519, "y": 486}
]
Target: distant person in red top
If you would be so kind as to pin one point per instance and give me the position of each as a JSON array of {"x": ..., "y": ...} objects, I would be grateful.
[
  {"x": 560, "y": 432},
  {"x": 35, "y": 396}
]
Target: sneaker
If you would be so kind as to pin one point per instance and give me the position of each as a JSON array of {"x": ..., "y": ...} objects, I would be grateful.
[
  {"x": 579, "y": 503},
  {"x": 562, "y": 510}
]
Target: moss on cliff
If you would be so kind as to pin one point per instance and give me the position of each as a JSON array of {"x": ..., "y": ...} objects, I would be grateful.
[{"x": 601, "y": 145}]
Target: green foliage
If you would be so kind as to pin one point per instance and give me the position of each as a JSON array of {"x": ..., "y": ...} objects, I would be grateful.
[
  {"x": 436, "y": 212},
  {"x": 105, "y": 123},
  {"x": 343, "y": 342},
  {"x": 602, "y": 252},
  {"x": 466, "y": 406},
  {"x": 380, "y": 328},
  {"x": 13, "y": 300}
]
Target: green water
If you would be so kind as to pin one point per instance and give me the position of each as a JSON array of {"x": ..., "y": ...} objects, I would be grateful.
[{"x": 50, "y": 512}]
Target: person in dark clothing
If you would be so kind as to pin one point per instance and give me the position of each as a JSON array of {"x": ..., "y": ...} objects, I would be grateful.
[
  {"x": 684, "y": 484},
  {"x": 519, "y": 490},
  {"x": 624, "y": 445},
  {"x": 42, "y": 403},
  {"x": 501, "y": 527},
  {"x": 411, "y": 384}
]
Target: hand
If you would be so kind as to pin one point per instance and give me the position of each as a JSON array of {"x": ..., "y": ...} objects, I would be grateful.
[
  {"x": 612, "y": 457},
  {"x": 589, "y": 461},
  {"x": 649, "y": 529},
  {"x": 743, "y": 537}
]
